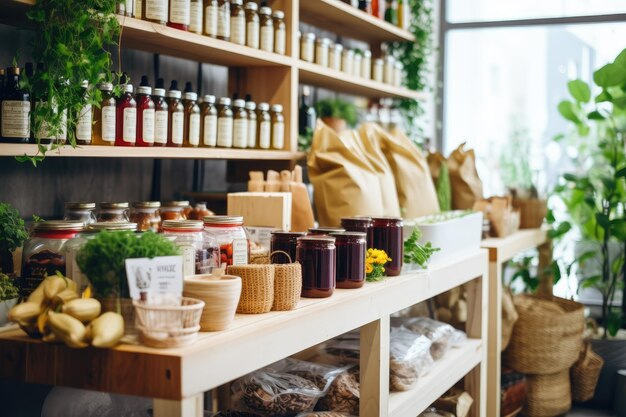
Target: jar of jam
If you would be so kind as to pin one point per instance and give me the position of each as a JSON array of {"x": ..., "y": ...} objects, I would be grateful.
[
  {"x": 44, "y": 251},
  {"x": 229, "y": 233},
  {"x": 285, "y": 242},
  {"x": 316, "y": 254},
  {"x": 359, "y": 224},
  {"x": 321, "y": 51},
  {"x": 200, "y": 256},
  {"x": 267, "y": 29},
  {"x": 264, "y": 126},
  {"x": 307, "y": 47},
  {"x": 173, "y": 210},
  {"x": 146, "y": 215},
  {"x": 83, "y": 212},
  {"x": 280, "y": 32},
  {"x": 325, "y": 230},
  {"x": 113, "y": 212},
  {"x": 387, "y": 235},
  {"x": 334, "y": 56},
  {"x": 252, "y": 25},
  {"x": 351, "y": 253},
  {"x": 199, "y": 212}
]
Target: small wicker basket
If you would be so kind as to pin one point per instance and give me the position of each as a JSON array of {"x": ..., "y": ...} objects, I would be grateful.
[
  {"x": 287, "y": 284},
  {"x": 548, "y": 395},
  {"x": 585, "y": 374},
  {"x": 257, "y": 287},
  {"x": 169, "y": 326}
]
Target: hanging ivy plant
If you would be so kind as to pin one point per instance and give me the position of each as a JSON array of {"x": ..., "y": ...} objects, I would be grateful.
[{"x": 72, "y": 40}]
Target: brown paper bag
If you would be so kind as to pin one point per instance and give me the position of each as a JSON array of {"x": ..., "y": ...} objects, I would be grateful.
[
  {"x": 344, "y": 180},
  {"x": 503, "y": 217},
  {"x": 466, "y": 184},
  {"x": 301, "y": 210}
]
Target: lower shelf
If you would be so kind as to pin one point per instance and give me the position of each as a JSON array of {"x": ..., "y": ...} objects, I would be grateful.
[{"x": 457, "y": 363}]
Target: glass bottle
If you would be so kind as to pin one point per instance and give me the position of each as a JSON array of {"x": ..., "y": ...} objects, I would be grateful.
[
  {"x": 188, "y": 236},
  {"x": 356, "y": 65},
  {"x": 398, "y": 74},
  {"x": 211, "y": 9},
  {"x": 105, "y": 114},
  {"x": 321, "y": 51},
  {"x": 191, "y": 133},
  {"x": 334, "y": 56},
  {"x": 161, "y": 114},
  {"x": 264, "y": 126},
  {"x": 280, "y": 32},
  {"x": 390, "y": 70},
  {"x": 306, "y": 114},
  {"x": 387, "y": 235},
  {"x": 252, "y": 25},
  {"x": 15, "y": 115},
  {"x": 223, "y": 20},
  {"x": 267, "y": 29},
  {"x": 391, "y": 12},
  {"x": 251, "y": 110},
  {"x": 83, "y": 212},
  {"x": 179, "y": 14},
  {"x": 237, "y": 22},
  {"x": 146, "y": 215},
  {"x": 240, "y": 124},
  {"x": 155, "y": 11},
  {"x": 351, "y": 253},
  {"x": 317, "y": 256},
  {"x": 229, "y": 233},
  {"x": 375, "y": 11},
  {"x": 84, "y": 124},
  {"x": 195, "y": 16},
  {"x": 209, "y": 121},
  {"x": 176, "y": 118},
  {"x": 126, "y": 129},
  {"x": 43, "y": 131},
  {"x": 378, "y": 70},
  {"x": 365, "y": 5},
  {"x": 112, "y": 212},
  {"x": 225, "y": 124},
  {"x": 145, "y": 116},
  {"x": 307, "y": 47},
  {"x": 285, "y": 242},
  {"x": 359, "y": 224},
  {"x": 347, "y": 61},
  {"x": 401, "y": 14},
  {"x": 278, "y": 127},
  {"x": 366, "y": 65}
]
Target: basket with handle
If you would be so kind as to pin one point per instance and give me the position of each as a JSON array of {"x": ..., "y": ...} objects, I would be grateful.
[
  {"x": 585, "y": 373},
  {"x": 257, "y": 287},
  {"x": 287, "y": 284}
]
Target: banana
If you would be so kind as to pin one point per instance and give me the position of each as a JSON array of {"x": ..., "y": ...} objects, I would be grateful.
[
  {"x": 51, "y": 338},
  {"x": 37, "y": 296},
  {"x": 56, "y": 284},
  {"x": 64, "y": 296},
  {"x": 107, "y": 330},
  {"x": 83, "y": 309},
  {"x": 25, "y": 313},
  {"x": 42, "y": 322},
  {"x": 70, "y": 330}
]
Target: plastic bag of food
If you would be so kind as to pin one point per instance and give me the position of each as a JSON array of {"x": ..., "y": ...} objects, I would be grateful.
[
  {"x": 322, "y": 375},
  {"x": 442, "y": 335},
  {"x": 325, "y": 414},
  {"x": 343, "y": 395},
  {"x": 232, "y": 413}
]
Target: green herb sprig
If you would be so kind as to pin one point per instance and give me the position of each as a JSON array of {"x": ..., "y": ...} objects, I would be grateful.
[
  {"x": 416, "y": 253},
  {"x": 12, "y": 230},
  {"x": 8, "y": 290}
]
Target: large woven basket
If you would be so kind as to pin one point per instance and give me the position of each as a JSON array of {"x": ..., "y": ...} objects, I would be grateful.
[
  {"x": 547, "y": 335},
  {"x": 287, "y": 284},
  {"x": 548, "y": 395},
  {"x": 585, "y": 374},
  {"x": 257, "y": 287}
]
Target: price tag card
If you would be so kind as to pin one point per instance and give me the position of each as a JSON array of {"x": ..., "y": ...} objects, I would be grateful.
[{"x": 160, "y": 275}]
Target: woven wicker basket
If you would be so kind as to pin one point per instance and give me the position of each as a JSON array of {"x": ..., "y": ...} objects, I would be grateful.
[
  {"x": 532, "y": 212},
  {"x": 585, "y": 374},
  {"x": 547, "y": 336},
  {"x": 257, "y": 287},
  {"x": 548, "y": 395}
]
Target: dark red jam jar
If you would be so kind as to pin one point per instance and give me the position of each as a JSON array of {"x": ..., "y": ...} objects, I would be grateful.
[
  {"x": 285, "y": 242},
  {"x": 351, "y": 252},
  {"x": 316, "y": 254},
  {"x": 387, "y": 235},
  {"x": 325, "y": 230},
  {"x": 359, "y": 224}
]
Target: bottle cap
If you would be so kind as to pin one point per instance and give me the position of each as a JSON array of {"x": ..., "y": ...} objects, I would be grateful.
[
  {"x": 208, "y": 98},
  {"x": 106, "y": 87},
  {"x": 251, "y": 6},
  {"x": 265, "y": 10},
  {"x": 277, "y": 108},
  {"x": 278, "y": 14},
  {"x": 128, "y": 88},
  {"x": 159, "y": 92},
  {"x": 142, "y": 89},
  {"x": 250, "y": 105},
  {"x": 225, "y": 101},
  {"x": 174, "y": 94},
  {"x": 264, "y": 106},
  {"x": 191, "y": 96},
  {"x": 239, "y": 103}
]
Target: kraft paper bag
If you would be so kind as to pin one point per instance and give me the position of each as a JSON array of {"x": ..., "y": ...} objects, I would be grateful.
[
  {"x": 301, "y": 211},
  {"x": 345, "y": 182},
  {"x": 416, "y": 193},
  {"x": 467, "y": 187}
]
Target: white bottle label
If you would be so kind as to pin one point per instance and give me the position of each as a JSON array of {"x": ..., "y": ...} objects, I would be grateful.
[
  {"x": 148, "y": 125},
  {"x": 195, "y": 17},
  {"x": 225, "y": 132},
  {"x": 15, "y": 119},
  {"x": 130, "y": 7},
  {"x": 138, "y": 9},
  {"x": 179, "y": 11},
  {"x": 156, "y": 10},
  {"x": 210, "y": 130},
  {"x": 267, "y": 39},
  {"x": 194, "y": 129},
  {"x": 252, "y": 35},
  {"x": 238, "y": 29},
  {"x": 240, "y": 252},
  {"x": 223, "y": 20},
  {"x": 240, "y": 133},
  {"x": 210, "y": 20},
  {"x": 251, "y": 133},
  {"x": 84, "y": 124},
  {"x": 265, "y": 135},
  {"x": 129, "y": 130},
  {"x": 108, "y": 124},
  {"x": 278, "y": 136},
  {"x": 189, "y": 259},
  {"x": 279, "y": 42},
  {"x": 178, "y": 122},
  {"x": 160, "y": 127}
]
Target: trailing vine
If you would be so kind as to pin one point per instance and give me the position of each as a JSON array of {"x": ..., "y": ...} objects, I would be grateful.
[{"x": 72, "y": 41}]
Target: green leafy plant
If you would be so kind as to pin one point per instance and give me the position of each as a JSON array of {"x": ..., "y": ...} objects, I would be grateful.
[
  {"x": 415, "y": 252},
  {"x": 595, "y": 193},
  {"x": 12, "y": 235},
  {"x": 337, "y": 108},
  {"x": 522, "y": 275},
  {"x": 71, "y": 40},
  {"x": 8, "y": 290},
  {"x": 103, "y": 258},
  {"x": 444, "y": 189},
  {"x": 515, "y": 168}
]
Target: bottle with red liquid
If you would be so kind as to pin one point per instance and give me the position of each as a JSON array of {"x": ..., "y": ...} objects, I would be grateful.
[
  {"x": 180, "y": 14},
  {"x": 387, "y": 236},
  {"x": 145, "y": 114},
  {"x": 126, "y": 129}
]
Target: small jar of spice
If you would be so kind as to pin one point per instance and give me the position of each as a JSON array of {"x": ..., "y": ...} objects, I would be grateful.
[
  {"x": 113, "y": 212},
  {"x": 229, "y": 233},
  {"x": 146, "y": 215}
]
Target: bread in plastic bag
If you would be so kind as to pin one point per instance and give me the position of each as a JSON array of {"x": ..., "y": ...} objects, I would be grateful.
[{"x": 442, "y": 335}]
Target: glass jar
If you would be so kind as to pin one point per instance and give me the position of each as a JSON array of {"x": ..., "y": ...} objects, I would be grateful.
[
  {"x": 240, "y": 124},
  {"x": 237, "y": 22},
  {"x": 351, "y": 254},
  {"x": 223, "y": 20},
  {"x": 231, "y": 237},
  {"x": 356, "y": 65},
  {"x": 146, "y": 215},
  {"x": 44, "y": 252},
  {"x": 251, "y": 110},
  {"x": 325, "y": 230},
  {"x": 83, "y": 212},
  {"x": 173, "y": 210},
  {"x": 195, "y": 16},
  {"x": 209, "y": 121},
  {"x": 267, "y": 29},
  {"x": 307, "y": 47},
  {"x": 200, "y": 255},
  {"x": 285, "y": 242},
  {"x": 113, "y": 212},
  {"x": 347, "y": 61},
  {"x": 253, "y": 25},
  {"x": 104, "y": 117},
  {"x": 225, "y": 124},
  {"x": 264, "y": 126},
  {"x": 211, "y": 8},
  {"x": 359, "y": 224},
  {"x": 199, "y": 212},
  {"x": 398, "y": 74},
  {"x": 387, "y": 235},
  {"x": 366, "y": 65},
  {"x": 280, "y": 32},
  {"x": 317, "y": 256},
  {"x": 334, "y": 56},
  {"x": 321, "y": 51},
  {"x": 378, "y": 70},
  {"x": 390, "y": 70},
  {"x": 278, "y": 127}
]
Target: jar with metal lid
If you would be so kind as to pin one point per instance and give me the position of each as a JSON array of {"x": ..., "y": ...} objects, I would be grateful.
[
  {"x": 173, "y": 210},
  {"x": 378, "y": 69},
  {"x": 280, "y": 32},
  {"x": 284, "y": 242},
  {"x": 200, "y": 254},
  {"x": 44, "y": 253},
  {"x": 398, "y": 75},
  {"x": 208, "y": 126},
  {"x": 240, "y": 124},
  {"x": 390, "y": 70},
  {"x": 253, "y": 25},
  {"x": 317, "y": 256},
  {"x": 307, "y": 47},
  {"x": 251, "y": 110},
  {"x": 347, "y": 61},
  {"x": 199, "y": 212},
  {"x": 267, "y": 29},
  {"x": 237, "y": 22},
  {"x": 225, "y": 124},
  {"x": 146, "y": 215},
  {"x": 264, "y": 126},
  {"x": 359, "y": 224},
  {"x": 351, "y": 252},
  {"x": 84, "y": 212},
  {"x": 325, "y": 230},
  {"x": 387, "y": 236},
  {"x": 366, "y": 65},
  {"x": 321, "y": 51},
  {"x": 356, "y": 64},
  {"x": 113, "y": 212},
  {"x": 334, "y": 56},
  {"x": 278, "y": 127},
  {"x": 231, "y": 237}
]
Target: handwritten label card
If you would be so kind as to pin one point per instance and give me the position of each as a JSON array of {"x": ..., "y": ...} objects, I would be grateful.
[{"x": 160, "y": 275}]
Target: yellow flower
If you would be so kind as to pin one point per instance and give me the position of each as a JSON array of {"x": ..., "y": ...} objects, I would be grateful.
[
  {"x": 368, "y": 268},
  {"x": 369, "y": 260}
]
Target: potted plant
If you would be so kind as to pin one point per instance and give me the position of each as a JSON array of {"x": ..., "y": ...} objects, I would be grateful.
[
  {"x": 337, "y": 113},
  {"x": 9, "y": 294},
  {"x": 12, "y": 236}
]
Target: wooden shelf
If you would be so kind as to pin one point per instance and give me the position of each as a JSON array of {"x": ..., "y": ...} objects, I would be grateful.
[
  {"x": 504, "y": 249},
  {"x": 349, "y": 21},
  {"x": 153, "y": 152},
  {"x": 340, "y": 81},
  {"x": 446, "y": 372}
]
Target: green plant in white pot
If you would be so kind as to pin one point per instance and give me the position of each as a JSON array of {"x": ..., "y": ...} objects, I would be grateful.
[{"x": 9, "y": 295}]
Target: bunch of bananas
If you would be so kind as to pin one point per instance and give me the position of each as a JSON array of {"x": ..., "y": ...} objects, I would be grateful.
[{"x": 57, "y": 313}]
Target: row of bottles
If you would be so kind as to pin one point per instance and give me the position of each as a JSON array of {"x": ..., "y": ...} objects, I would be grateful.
[{"x": 396, "y": 12}]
